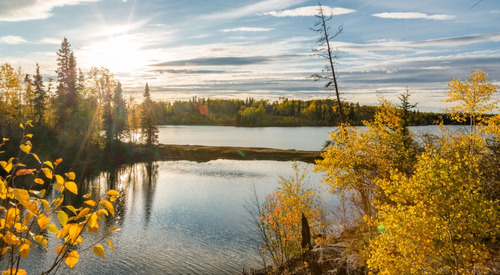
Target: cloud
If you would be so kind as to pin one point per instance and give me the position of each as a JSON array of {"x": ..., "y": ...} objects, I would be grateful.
[
  {"x": 309, "y": 11},
  {"x": 51, "y": 41},
  {"x": 217, "y": 61},
  {"x": 13, "y": 11},
  {"x": 413, "y": 15},
  {"x": 461, "y": 40},
  {"x": 253, "y": 9},
  {"x": 247, "y": 29},
  {"x": 12, "y": 40}
]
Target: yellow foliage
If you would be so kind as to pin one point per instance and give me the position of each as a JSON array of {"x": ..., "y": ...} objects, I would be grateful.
[
  {"x": 26, "y": 205},
  {"x": 282, "y": 217}
]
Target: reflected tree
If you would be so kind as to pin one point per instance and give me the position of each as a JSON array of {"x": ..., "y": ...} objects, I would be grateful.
[{"x": 150, "y": 177}]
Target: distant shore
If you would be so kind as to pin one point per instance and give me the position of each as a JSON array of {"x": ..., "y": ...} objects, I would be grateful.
[{"x": 206, "y": 153}]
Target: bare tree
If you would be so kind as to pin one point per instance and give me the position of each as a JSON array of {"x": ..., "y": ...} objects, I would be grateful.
[{"x": 325, "y": 50}]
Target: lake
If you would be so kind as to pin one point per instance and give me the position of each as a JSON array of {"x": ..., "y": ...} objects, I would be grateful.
[
  {"x": 299, "y": 138},
  {"x": 182, "y": 217}
]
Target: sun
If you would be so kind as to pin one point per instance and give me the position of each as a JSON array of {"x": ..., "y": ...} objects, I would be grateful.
[{"x": 120, "y": 54}]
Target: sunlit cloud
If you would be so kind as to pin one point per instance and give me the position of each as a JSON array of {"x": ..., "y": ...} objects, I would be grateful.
[
  {"x": 247, "y": 29},
  {"x": 413, "y": 15},
  {"x": 309, "y": 11},
  {"x": 12, "y": 40},
  {"x": 13, "y": 11}
]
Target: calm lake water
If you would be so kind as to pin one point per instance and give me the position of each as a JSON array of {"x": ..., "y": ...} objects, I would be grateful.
[
  {"x": 299, "y": 138},
  {"x": 181, "y": 217}
]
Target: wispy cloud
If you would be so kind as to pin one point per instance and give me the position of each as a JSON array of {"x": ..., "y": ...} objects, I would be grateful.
[
  {"x": 413, "y": 15},
  {"x": 253, "y": 9},
  {"x": 309, "y": 11},
  {"x": 50, "y": 41},
  {"x": 12, "y": 40},
  {"x": 13, "y": 11},
  {"x": 247, "y": 29},
  {"x": 461, "y": 40}
]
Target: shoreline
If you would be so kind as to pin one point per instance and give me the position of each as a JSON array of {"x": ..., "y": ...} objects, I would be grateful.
[{"x": 201, "y": 153}]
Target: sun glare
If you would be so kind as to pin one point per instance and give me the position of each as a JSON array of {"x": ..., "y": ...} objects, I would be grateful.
[{"x": 120, "y": 54}]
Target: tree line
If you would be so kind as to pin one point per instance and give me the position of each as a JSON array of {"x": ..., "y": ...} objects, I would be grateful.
[
  {"x": 79, "y": 114},
  {"x": 281, "y": 112}
]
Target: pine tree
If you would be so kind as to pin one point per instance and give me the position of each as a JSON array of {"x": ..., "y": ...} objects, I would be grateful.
[
  {"x": 67, "y": 93},
  {"x": 40, "y": 96},
  {"x": 149, "y": 131},
  {"x": 119, "y": 112}
]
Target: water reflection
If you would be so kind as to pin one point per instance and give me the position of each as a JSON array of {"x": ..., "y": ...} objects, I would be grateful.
[{"x": 176, "y": 217}]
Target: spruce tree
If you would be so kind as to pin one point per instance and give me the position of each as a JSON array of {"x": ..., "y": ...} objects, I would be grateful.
[
  {"x": 40, "y": 96},
  {"x": 119, "y": 113},
  {"x": 149, "y": 131},
  {"x": 67, "y": 92}
]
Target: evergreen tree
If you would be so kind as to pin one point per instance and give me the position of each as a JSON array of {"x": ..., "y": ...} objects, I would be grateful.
[
  {"x": 119, "y": 113},
  {"x": 149, "y": 131},
  {"x": 40, "y": 96},
  {"x": 67, "y": 93}
]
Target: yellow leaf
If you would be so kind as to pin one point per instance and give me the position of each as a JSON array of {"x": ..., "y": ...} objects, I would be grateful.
[
  {"x": 24, "y": 250},
  {"x": 112, "y": 192},
  {"x": 58, "y": 186},
  {"x": 27, "y": 218},
  {"x": 36, "y": 157},
  {"x": 29, "y": 135},
  {"x": 86, "y": 196},
  {"x": 21, "y": 195},
  {"x": 6, "y": 166},
  {"x": 99, "y": 250},
  {"x": 82, "y": 213},
  {"x": 43, "y": 221},
  {"x": 46, "y": 205},
  {"x": 60, "y": 249},
  {"x": 114, "y": 228},
  {"x": 5, "y": 249},
  {"x": 59, "y": 179},
  {"x": 53, "y": 228},
  {"x": 93, "y": 221},
  {"x": 14, "y": 270},
  {"x": 41, "y": 240},
  {"x": 74, "y": 231},
  {"x": 49, "y": 164},
  {"x": 110, "y": 245},
  {"x": 11, "y": 239},
  {"x": 25, "y": 148},
  {"x": 108, "y": 206},
  {"x": 70, "y": 175},
  {"x": 39, "y": 181},
  {"x": 21, "y": 125},
  {"x": 72, "y": 258},
  {"x": 90, "y": 202},
  {"x": 71, "y": 208},
  {"x": 62, "y": 217},
  {"x": 71, "y": 186},
  {"x": 57, "y": 202},
  {"x": 11, "y": 217},
  {"x": 47, "y": 172}
]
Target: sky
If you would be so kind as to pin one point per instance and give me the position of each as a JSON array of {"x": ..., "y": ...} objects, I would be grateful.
[{"x": 260, "y": 48}]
